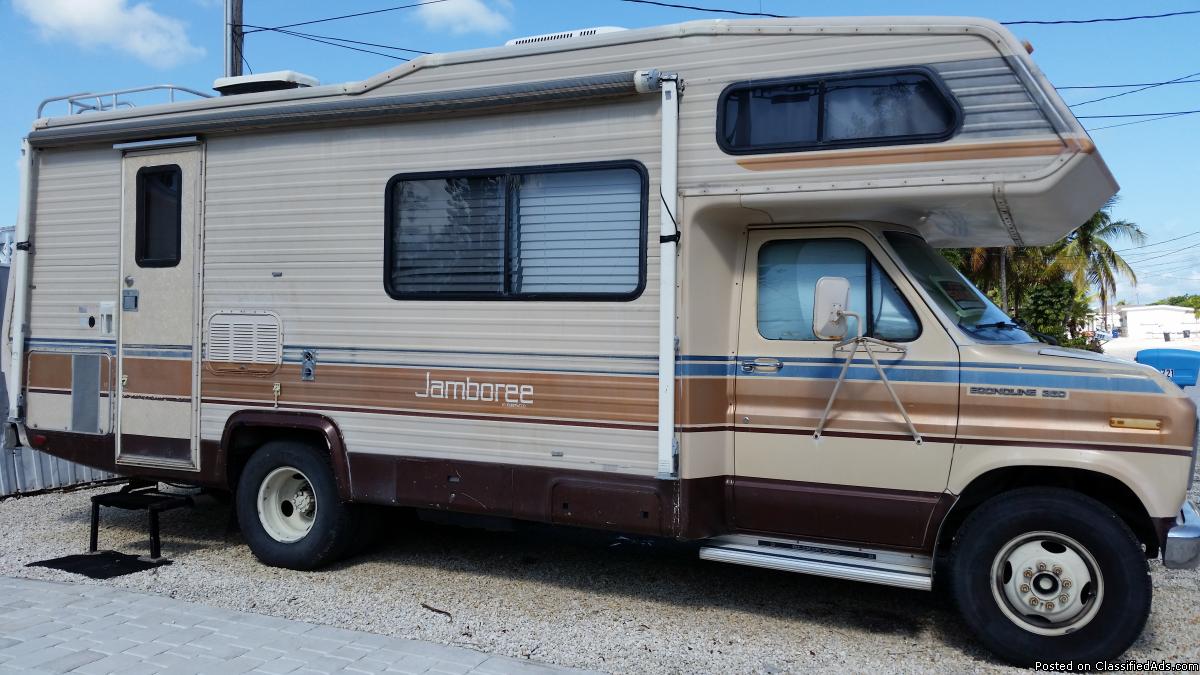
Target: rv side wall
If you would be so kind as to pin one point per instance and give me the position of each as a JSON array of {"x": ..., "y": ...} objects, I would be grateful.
[{"x": 293, "y": 225}]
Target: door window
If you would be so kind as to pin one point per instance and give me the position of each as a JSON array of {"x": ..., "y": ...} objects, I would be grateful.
[
  {"x": 159, "y": 216},
  {"x": 788, "y": 270}
]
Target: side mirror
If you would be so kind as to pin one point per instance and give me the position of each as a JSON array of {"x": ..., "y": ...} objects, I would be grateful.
[{"x": 831, "y": 299}]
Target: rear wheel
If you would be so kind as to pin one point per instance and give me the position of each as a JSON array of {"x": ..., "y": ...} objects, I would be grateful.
[
  {"x": 1050, "y": 575},
  {"x": 288, "y": 508}
]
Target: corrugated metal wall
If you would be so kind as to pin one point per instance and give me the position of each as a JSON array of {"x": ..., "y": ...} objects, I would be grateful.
[{"x": 27, "y": 470}]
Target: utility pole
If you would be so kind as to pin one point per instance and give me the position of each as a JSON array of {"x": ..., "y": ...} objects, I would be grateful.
[
  {"x": 1004, "y": 279},
  {"x": 234, "y": 38}
]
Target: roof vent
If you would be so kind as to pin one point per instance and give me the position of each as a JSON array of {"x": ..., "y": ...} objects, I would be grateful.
[
  {"x": 550, "y": 37},
  {"x": 273, "y": 81}
]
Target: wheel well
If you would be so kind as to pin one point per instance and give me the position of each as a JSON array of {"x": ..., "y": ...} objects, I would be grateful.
[
  {"x": 1103, "y": 488},
  {"x": 245, "y": 439}
]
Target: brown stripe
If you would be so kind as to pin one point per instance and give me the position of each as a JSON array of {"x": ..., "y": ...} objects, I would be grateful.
[
  {"x": 49, "y": 371},
  {"x": 162, "y": 377},
  {"x": 609, "y": 398},
  {"x": 156, "y": 447},
  {"x": 154, "y": 397},
  {"x": 905, "y": 155}
]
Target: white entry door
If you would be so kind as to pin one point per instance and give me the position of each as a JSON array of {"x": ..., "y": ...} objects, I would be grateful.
[{"x": 158, "y": 359}]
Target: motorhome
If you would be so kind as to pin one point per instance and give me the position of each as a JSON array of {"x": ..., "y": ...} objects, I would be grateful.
[{"x": 674, "y": 282}]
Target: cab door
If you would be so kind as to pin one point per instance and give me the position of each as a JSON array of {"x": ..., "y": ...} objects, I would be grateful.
[
  {"x": 157, "y": 358},
  {"x": 866, "y": 480}
]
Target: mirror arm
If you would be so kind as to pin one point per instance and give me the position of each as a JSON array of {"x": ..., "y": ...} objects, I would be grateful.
[{"x": 865, "y": 343}]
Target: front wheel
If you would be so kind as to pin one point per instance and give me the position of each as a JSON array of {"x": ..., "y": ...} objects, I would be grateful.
[
  {"x": 1050, "y": 575},
  {"x": 288, "y": 508}
]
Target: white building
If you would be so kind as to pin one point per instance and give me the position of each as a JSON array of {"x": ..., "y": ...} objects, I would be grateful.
[{"x": 1142, "y": 321}]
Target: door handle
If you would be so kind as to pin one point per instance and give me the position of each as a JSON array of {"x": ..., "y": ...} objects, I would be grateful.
[{"x": 762, "y": 366}]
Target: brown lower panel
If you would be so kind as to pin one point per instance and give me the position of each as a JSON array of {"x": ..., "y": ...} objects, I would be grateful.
[
  {"x": 688, "y": 509},
  {"x": 634, "y": 504},
  {"x": 99, "y": 452},
  {"x": 154, "y": 447},
  {"x": 868, "y": 516}
]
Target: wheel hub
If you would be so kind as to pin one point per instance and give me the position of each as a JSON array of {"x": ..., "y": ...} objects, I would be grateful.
[
  {"x": 1047, "y": 583},
  {"x": 287, "y": 504}
]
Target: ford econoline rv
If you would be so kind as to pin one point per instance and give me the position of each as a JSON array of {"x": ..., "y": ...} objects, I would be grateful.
[{"x": 678, "y": 282}]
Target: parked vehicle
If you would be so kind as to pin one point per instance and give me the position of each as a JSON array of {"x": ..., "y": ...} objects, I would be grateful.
[{"x": 674, "y": 282}]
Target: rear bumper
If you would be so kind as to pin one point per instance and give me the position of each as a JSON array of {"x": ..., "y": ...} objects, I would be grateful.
[{"x": 1182, "y": 550}]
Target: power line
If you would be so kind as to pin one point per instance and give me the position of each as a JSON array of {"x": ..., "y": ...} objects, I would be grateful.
[
  {"x": 337, "y": 39},
  {"x": 1108, "y": 20},
  {"x": 350, "y": 16},
  {"x": 1126, "y": 93},
  {"x": 714, "y": 10},
  {"x": 1125, "y": 124},
  {"x": 717, "y": 10},
  {"x": 1159, "y": 255},
  {"x": 1125, "y": 86},
  {"x": 302, "y": 36},
  {"x": 1155, "y": 114},
  {"x": 1159, "y": 243}
]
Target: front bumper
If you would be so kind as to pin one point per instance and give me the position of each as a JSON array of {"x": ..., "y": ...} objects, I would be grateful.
[{"x": 1182, "y": 550}]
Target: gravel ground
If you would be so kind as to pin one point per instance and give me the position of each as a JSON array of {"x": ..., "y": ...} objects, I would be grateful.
[{"x": 559, "y": 597}]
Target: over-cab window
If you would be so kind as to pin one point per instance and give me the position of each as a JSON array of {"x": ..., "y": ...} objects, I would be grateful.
[
  {"x": 561, "y": 233},
  {"x": 823, "y": 112},
  {"x": 788, "y": 270},
  {"x": 159, "y": 216}
]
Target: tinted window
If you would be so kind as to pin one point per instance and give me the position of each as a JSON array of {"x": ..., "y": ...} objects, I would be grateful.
[
  {"x": 835, "y": 111},
  {"x": 521, "y": 234},
  {"x": 788, "y": 270},
  {"x": 448, "y": 236},
  {"x": 159, "y": 216}
]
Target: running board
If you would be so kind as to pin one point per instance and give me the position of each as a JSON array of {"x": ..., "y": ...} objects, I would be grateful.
[{"x": 840, "y": 562}]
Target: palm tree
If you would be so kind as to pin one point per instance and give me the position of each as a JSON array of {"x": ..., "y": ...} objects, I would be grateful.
[{"x": 1091, "y": 261}]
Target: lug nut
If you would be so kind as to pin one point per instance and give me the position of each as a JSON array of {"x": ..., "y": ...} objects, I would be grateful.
[
  {"x": 1050, "y": 605},
  {"x": 1034, "y": 602},
  {"x": 1066, "y": 583},
  {"x": 1024, "y": 588},
  {"x": 1063, "y": 598},
  {"x": 1041, "y": 567},
  {"x": 1057, "y": 571},
  {"x": 1028, "y": 573}
]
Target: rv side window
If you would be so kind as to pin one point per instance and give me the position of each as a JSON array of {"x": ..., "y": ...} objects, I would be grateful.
[
  {"x": 159, "y": 216},
  {"x": 817, "y": 113},
  {"x": 788, "y": 270},
  {"x": 567, "y": 233}
]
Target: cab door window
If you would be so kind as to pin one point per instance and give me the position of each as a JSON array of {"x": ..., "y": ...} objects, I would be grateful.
[{"x": 788, "y": 270}]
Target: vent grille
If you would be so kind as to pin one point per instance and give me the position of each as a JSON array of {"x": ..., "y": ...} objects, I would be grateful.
[
  {"x": 244, "y": 341},
  {"x": 548, "y": 37}
]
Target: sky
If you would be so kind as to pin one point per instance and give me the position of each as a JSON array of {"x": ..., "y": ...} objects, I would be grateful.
[{"x": 56, "y": 47}]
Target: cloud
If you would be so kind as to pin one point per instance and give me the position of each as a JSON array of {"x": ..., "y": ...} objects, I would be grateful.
[
  {"x": 466, "y": 16},
  {"x": 156, "y": 40}
]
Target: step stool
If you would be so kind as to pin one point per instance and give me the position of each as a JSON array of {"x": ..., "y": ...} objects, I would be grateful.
[{"x": 135, "y": 497}]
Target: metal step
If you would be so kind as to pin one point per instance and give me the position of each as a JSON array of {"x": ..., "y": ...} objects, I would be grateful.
[{"x": 840, "y": 562}]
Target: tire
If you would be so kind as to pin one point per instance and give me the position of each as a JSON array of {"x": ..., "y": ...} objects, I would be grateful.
[
  {"x": 1073, "y": 536},
  {"x": 302, "y": 524}
]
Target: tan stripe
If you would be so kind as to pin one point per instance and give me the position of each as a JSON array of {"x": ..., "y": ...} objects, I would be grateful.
[
  {"x": 705, "y": 400},
  {"x": 907, "y": 154}
]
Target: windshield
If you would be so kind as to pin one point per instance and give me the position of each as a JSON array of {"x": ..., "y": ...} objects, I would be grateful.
[{"x": 958, "y": 298}]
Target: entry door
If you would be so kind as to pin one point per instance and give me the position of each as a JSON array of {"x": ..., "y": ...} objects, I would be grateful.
[
  {"x": 158, "y": 363},
  {"x": 865, "y": 480}
]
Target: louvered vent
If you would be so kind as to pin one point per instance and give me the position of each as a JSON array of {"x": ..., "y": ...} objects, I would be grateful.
[{"x": 244, "y": 341}]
